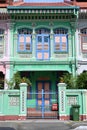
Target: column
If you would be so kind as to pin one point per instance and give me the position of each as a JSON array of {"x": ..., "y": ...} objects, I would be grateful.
[
  {"x": 70, "y": 46},
  {"x": 73, "y": 49},
  {"x": 10, "y": 39},
  {"x": 51, "y": 44},
  {"x": 73, "y": 26},
  {"x": 7, "y": 75},
  {"x": 33, "y": 45},
  {"x": 23, "y": 98},
  {"x": 11, "y": 71},
  {"x": 74, "y": 69},
  {"x": 62, "y": 101},
  {"x": 84, "y": 104}
]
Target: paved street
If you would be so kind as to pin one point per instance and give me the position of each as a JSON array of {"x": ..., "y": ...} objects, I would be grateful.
[
  {"x": 42, "y": 125},
  {"x": 81, "y": 128},
  {"x": 6, "y": 128},
  {"x": 35, "y": 125}
]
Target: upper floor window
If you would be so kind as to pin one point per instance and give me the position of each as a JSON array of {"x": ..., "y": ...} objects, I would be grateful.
[
  {"x": 60, "y": 40},
  {"x": 1, "y": 41},
  {"x": 84, "y": 39},
  {"x": 24, "y": 40}
]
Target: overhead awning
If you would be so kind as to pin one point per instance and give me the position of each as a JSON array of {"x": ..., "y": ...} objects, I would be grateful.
[
  {"x": 42, "y": 9},
  {"x": 83, "y": 11}
]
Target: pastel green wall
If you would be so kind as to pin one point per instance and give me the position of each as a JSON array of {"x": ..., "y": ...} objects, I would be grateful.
[
  {"x": 13, "y": 102},
  {"x": 28, "y": 62},
  {"x": 69, "y": 97},
  {"x": 79, "y": 98},
  {"x": 10, "y": 100}
]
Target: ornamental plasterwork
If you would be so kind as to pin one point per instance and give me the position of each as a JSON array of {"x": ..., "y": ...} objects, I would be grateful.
[
  {"x": 3, "y": 26},
  {"x": 10, "y": 25}
]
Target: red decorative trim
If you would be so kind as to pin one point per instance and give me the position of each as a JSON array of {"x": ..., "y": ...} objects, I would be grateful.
[
  {"x": 64, "y": 117},
  {"x": 12, "y": 117},
  {"x": 2, "y": 118},
  {"x": 82, "y": 117},
  {"x": 16, "y": 117}
]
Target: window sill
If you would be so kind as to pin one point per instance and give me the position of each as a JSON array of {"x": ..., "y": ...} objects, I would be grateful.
[
  {"x": 60, "y": 52},
  {"x": 22, "y": 52}
]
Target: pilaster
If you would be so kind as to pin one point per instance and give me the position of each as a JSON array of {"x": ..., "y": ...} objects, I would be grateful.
[
  {"x": 10, "y": 39},
  {"x": 84, "y": 105},
  {"x": 33, "y": 45},
  {"x": 62, "y": 100},
  {"x": 23, "y": 97},
  {"x": 51, "y": 44},
  {"x": 7, "y": 75}
]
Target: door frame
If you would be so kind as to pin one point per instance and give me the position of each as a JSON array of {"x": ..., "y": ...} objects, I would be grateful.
[{"x": 42, "y": 91}]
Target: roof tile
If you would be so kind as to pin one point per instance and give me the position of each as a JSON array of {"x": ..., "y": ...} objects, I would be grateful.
[
  {"x": 82, "y": 4},
  {"x": 42, "y": 4},
  {"x": 3, "y": 5}
]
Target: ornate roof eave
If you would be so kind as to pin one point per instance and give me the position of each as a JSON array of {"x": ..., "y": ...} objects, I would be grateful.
[
  {"x": 83, "y": 11},
  {"x": 83, "y": 14},
  {"x": 3, "y": 10},
  {"x": 43, "y": 9}
]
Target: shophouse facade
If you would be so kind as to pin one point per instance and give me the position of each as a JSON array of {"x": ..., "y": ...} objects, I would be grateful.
[
  {"x": 82, "y": 37},
  {"x": 39, "y": 40}
]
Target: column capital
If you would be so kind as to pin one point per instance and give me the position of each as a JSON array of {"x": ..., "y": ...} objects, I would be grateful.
[
  {"x": 61, "y": 85},
  {"x": 10, "y": 25},
  {"x": 23, "y": 85}
]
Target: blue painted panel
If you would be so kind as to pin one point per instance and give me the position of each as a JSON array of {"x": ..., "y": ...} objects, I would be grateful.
[{"x": 42, "y": 47}]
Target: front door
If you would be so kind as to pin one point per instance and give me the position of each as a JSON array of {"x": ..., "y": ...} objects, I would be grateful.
[
  {"x": 42, "y": 47},
  {"x": 43, "y": 96}
]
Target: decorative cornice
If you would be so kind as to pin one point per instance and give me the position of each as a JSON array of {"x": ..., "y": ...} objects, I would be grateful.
[
  {"x": 42, "y": 62},
  {"x": 10, "y": 25},
  {"x": 82, "y": 62},
  {"x": 42, "y": 7}
]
